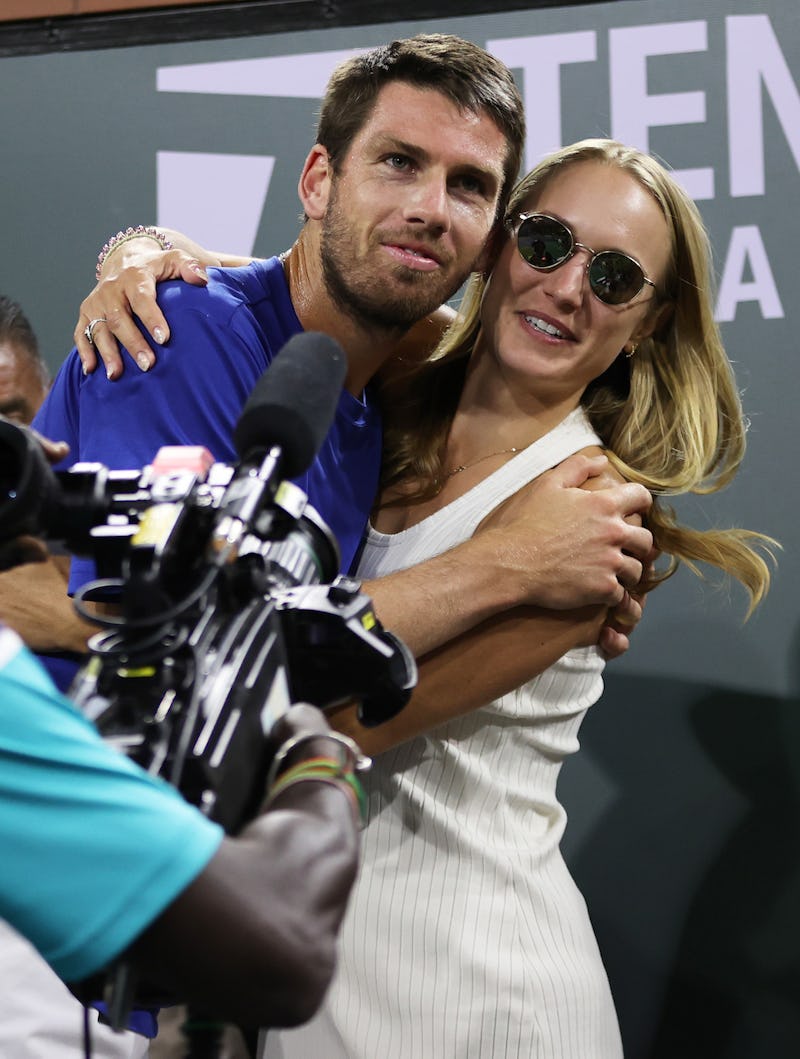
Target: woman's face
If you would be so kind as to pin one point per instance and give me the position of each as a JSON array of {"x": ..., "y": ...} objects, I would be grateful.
[{"x": 548, "y": 327}]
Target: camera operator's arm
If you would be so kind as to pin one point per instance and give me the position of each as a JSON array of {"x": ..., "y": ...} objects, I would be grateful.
[
  {"x": 270, "y": 902},
  {"x": 253, "y": 939},
  {"x": 97, "y": 855}
]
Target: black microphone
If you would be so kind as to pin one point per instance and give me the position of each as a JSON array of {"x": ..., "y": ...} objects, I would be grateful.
[{"x": 293, "y": 403}]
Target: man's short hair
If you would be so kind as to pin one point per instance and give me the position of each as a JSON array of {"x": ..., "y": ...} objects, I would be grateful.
[
  {"x": 462, "y": 71},
  {"x": 16, "y": 331}
]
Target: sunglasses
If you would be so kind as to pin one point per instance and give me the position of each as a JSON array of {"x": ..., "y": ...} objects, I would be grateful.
[{"x": 545, "y": 243}]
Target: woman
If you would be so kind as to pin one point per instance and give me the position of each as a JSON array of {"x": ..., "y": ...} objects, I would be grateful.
[{"x": 466, "y": 935}]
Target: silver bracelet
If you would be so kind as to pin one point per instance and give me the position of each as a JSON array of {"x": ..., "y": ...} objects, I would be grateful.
[
  {"x": 348, "y": 753},
  {"x": 141, "y": 231}
]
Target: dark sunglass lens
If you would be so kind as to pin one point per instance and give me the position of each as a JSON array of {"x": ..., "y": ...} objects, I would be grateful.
[
  {"x": 615, "y": 278},
  {"x": 543, "y": 242}
]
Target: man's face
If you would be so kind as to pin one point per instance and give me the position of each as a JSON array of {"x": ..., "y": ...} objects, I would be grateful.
[
  {"x": 21, "y": 387},
  {"x": 411, "y": 206}
]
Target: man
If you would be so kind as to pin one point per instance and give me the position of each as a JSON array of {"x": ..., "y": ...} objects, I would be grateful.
[
  {"x": 24, "y": 378},
  {"x": 27, "y": 592}
]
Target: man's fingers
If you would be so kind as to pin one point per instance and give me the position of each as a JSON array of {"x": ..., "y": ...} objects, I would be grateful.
[
  {"x": 629, "y": 576},
  {"x": 613, "y": 642},
  {"x": 650, "y": 565},
  {"x": 627, "y": 613},
  {"x": 55, "y": 451},
  {"x": 614, "y": 639},
  {"x": 637, "y": 541},
  {"x": 633, "y": 499},
  {"x": 575, "y": 470}
]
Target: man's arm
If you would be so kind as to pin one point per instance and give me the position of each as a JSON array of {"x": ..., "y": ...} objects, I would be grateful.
[
  {"x": 33, "y": 587},
  {"x": 553, "y": 545},
  {"x": 490, "y": 660},
  {"x": 473, "y": 639},
  {"x": 34, "y": 602}
]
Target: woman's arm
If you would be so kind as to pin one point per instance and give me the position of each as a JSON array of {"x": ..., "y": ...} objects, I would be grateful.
[{"x": 126, "y": 286}]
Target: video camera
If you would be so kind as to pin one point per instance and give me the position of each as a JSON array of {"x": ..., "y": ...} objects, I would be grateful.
[{"x": 226, "y": 580}]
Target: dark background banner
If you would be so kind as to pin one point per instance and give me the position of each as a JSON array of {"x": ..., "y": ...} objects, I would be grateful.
[{"x": 684, "y": 801}]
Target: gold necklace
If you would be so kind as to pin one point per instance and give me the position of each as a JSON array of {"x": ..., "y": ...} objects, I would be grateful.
[{"x": 465, "y": 466}]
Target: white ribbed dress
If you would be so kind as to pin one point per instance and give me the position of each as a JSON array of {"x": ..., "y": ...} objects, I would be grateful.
[{"x": 466, "y": 935}]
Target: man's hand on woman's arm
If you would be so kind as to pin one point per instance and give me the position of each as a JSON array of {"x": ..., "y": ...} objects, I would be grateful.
[
  {"x": 553, "y": 545},
  {"x": 557, "y": 567}
]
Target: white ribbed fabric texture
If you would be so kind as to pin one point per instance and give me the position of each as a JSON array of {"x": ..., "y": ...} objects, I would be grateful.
[
  {"x": 466, "y": 936},
  {"x": 41, "y": 1019}
]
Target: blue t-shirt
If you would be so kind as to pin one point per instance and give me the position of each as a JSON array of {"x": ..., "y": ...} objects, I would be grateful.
[
  {"x": 93, "y": 849},
  {"x": 223, "y": 337}
]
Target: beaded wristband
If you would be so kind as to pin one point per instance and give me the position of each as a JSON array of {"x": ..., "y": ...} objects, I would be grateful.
[
  {"x": 308, "y": 769},
  {"x": 348, "y": 754},
  {"x": 320, "y": 770},
  {"x": 141, "y": 231}
]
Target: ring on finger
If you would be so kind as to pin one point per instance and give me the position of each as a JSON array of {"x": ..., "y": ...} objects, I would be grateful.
[{"x": 89, "y": 329}]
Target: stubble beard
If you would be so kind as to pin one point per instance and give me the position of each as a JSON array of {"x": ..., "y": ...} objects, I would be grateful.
[{"x": 355, "y": 289}]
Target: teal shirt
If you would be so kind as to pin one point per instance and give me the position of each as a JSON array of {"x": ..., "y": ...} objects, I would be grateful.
[{"x": 92, "y": 849}]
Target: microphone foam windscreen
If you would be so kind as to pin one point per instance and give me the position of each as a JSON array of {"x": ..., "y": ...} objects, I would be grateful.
[{"x": 294, "y": 401}]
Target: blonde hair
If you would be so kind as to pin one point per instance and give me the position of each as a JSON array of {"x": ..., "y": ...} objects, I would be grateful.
[{"x": 670, "y": 417}]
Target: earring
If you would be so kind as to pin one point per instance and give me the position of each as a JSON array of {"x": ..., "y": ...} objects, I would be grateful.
[{"x": 633, "y": 347}]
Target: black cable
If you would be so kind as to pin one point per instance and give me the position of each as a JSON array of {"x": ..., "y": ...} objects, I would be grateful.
[
  {"x": 161, "y": 643},
  {"x": 117, "y": 584},
  {"x": 87, "y": 1034}
]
